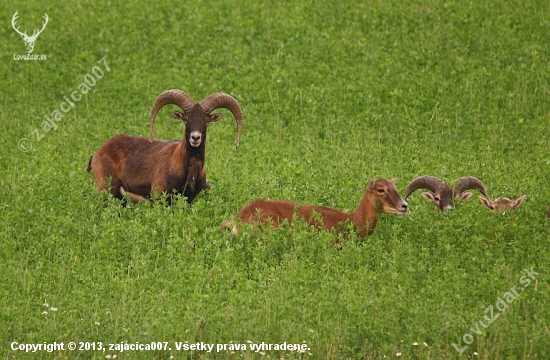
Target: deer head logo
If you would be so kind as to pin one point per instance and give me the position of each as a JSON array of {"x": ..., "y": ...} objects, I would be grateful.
[{"x": 29, "y": 40}]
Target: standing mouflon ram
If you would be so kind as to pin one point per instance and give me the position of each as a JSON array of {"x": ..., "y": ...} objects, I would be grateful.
[{"x": 138, "y": 167}]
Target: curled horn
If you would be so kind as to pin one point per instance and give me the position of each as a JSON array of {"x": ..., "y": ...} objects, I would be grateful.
[
  {"x": 222, "y": 100},
  {"x": 469, "y": 182},
  {"x": 175, "y": 97},
  {"x": 423, "y": 182}
]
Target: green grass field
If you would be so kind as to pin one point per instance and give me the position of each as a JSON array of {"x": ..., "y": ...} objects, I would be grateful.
[{"x": 333, "y": 93}]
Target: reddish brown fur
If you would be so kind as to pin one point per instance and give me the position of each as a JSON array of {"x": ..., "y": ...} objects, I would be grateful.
[
  {"x": 139, "y": 167},
  {"x": 380, "y": 194}
]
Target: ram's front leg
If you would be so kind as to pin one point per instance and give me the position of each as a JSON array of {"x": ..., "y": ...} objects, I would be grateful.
[
  {"x": 158, "y": 188},
  {"x": 201, "y": 181},
  {"x": 196, "y": 185},
  {"x": 134, "y": 197}
]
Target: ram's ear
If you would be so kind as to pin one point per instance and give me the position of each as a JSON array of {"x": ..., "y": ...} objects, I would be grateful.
[
  {"x": 486, "y": 202},
  {"x": 179, "y": 115},
  {"x": 214, "y": 117},
  {"x": 393, "y": 180},
  {"x": 519, "y": 201},
  {"x": 428, "y": 196},
  {"x": 465, "y": 196}
]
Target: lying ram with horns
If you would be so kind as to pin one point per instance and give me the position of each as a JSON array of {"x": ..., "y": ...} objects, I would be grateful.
[{"x": 441, "y": 194}]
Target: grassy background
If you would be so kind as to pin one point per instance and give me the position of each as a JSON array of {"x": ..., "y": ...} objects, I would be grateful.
[{"x": 333, "y": 94}]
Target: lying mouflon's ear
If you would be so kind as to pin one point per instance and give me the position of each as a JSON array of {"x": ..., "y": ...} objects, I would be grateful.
[
  {"x": 519, "y": 201},
  {"x": 486, "y": 202},
  {"x": 428, "y": 196},
  {"x": 465, "y": 196},
  {"x": 371, "y": 184}
]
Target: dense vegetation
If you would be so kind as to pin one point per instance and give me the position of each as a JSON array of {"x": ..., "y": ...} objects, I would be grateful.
[{"x": 333, "y": 93}]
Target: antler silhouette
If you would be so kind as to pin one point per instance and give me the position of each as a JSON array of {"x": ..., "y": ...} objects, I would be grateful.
[
  {"x": 29, "y": 40},
  {"x": 13, "y": 19}
]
